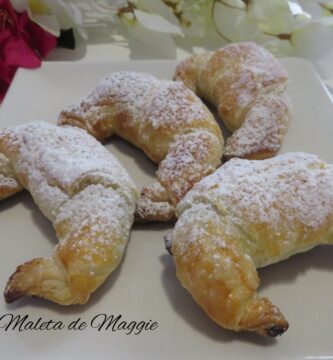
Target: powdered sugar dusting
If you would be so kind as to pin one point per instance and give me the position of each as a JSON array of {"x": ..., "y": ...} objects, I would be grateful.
[
  {"x": 146, "y": 99},
  {"x": 59, "y": 161},
  {"x": 263, "y": 129},
  {"x": 100, "y": 217},
  {"x": 174, "y": 107},
  {"x": 154, "y": 205},
  {"x": 247, "y": 86},
  {"x": 155, "y": 115},
  {"x": 194, "y": 227},
  {"x": 286, "y": 194},
  {"x": 8, "y": 181},
  {"x": 155, "y": 191},
  {"x": 190, "y": 157},
  {"x": 126, "y": 91},
  {"x": 152, "y": 210},
  {"x": 87, "y": 195},
  {"x": 255, "y": 71}
]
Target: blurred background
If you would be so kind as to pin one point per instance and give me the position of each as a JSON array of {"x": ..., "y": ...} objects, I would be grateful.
[{"x": 32, "y": 30}]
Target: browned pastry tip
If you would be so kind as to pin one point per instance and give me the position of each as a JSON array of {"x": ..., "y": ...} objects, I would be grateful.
[
  {"x": 12, "y": 292},
  {"x": 22, "y": 281},
  {"x": 12, "y": 295},
  {"x": 264, "y": 318},
  {"x": 46, "y": 277}
]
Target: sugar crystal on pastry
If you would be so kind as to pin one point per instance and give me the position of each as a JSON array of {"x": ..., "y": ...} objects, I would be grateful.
[{"x": 9, "y": 184}]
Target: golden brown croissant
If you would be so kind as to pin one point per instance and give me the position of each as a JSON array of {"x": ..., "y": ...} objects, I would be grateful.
[
  {"x": 87, "y": 195},
  {"x": 247, "y": 86},
  {"x": 163, "y": 118},
  {"x": 246, "y": 215}
]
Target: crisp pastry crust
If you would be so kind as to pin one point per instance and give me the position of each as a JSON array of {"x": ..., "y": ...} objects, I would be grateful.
[
  {"x": 90, "y": 200},
  {"x": 9, "y": 184},
  {"x": 246, "y": 215},
  {"x": 247, "y": 86},
  {"x": 154, "y": 205},
  {"x": 164, "y": 119}
]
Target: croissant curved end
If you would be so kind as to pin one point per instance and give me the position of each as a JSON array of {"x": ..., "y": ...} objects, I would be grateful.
[
  {"x": 41, "y": 277},
  {"x": 15, "y": 289},
  {"x": 12, "y": 295},
  {"x": 276, "y": 330}
]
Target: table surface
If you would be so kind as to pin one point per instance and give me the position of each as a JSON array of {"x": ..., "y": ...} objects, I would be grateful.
[{"x": 145, "y": 285}]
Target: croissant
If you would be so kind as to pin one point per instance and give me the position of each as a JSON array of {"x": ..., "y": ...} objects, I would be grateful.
[
  {"x": 90, "y": 200},
  {"x": 247, "y": 215},
  {"x": 247, "y": 85},
  {"x": 164, "y": 119}
]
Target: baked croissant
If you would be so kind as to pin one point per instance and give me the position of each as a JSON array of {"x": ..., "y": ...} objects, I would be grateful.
[
  {"x": 87, "y": 195},
  {"x": 247, "y": 86},
  {"x": 246, "y": 215},
  {"x": 164, "y": 119}
]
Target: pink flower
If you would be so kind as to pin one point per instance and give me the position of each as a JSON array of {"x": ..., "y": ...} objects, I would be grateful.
[{"x": 22, "y": 44}]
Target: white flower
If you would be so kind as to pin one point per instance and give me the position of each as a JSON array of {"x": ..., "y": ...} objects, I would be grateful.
[
  {"x": 52, "y": 15},
  {"x": 155, "y": 44},
  {"x": 156, "y": 22},
  {"x": 285, "y": 27},
  {"x": 313, "y": 40}
]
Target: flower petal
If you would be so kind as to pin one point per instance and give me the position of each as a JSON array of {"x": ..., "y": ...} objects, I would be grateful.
[
  {"x": 19, "y": 5},
  {"x": 6, "y": 72},
  {"x": 76, "y": 17},
  {"x": 313, "y": 40},
  {"x": 47, "y": 22},
  {"x": 227, "y": 20},
  {"x": 17, "y": 53},
  {"x": 156, "y": 22},
  {"x": 156, "y": 44},
  {"x": 37, "y": 38},
  {"x": 158, "y": 7},
  {"x": 60, "y": 10}
]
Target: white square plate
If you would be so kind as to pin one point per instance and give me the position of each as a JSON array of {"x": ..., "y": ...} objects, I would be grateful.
[{"x": 145, "y": 286}]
